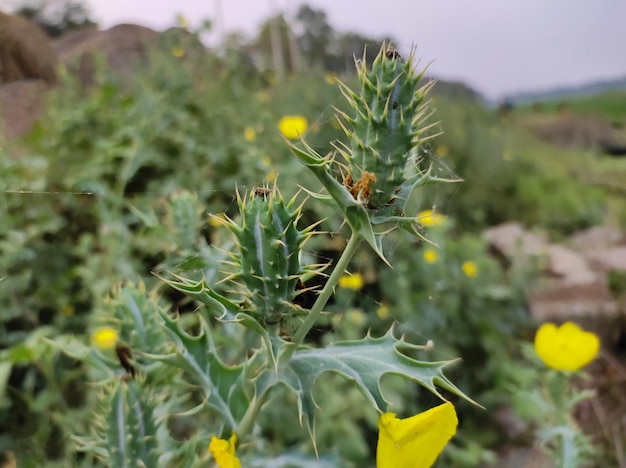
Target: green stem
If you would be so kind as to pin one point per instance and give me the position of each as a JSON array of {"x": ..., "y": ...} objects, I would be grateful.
[
  {"x": 247, "y": 423},
  {"x": 325, "y": 294},
  {"x": 248, "y": 420}
]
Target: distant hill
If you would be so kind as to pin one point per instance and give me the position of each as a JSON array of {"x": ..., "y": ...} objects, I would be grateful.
[{"x": 568, "y": 92}]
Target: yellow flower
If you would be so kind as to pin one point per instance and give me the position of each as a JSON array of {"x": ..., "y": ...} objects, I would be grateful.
[
  {"x": 567, "y": 347},
  {"x": 292, "y": 126},
  {"x": 351, "y": 281},
  {"x": 182, "y": 21},
  {"x": 442, "y": 151},
  {"x": 178, "y": 51},
  {"x": 470, "y": 269},
  {"x": 383, "y": 312},
  {"x": 249, "y": 134},
  {"x": 271, "y": 176},
  {"x": 356, "y": 317},
  {"x": 105, "y": 338},
  {"x": 415, "y": 442},
  {"x": 428, "y": 218},
  {"x": 224, "y": 452},
  {"x": 430, "y": 256},
  {"x": 217, "y": 220}
]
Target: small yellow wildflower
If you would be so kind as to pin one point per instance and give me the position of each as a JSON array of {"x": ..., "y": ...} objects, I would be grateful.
[
  {"x": 415, "y": 442},
  {"x": 217, "y": 220},
  {"x": 567, "y": 347},
  {"x": 292, "y": 126},
  {"x": 430, "y": 256},
  {"x": 428, "y": 218},
  {"x": 470, "y": 269},
  {"x": 249, "y": 134},
  {"x": 355, "y": 317},
  {"x": 272, "y": 175},
  {"x": 354, "y": 282},
  {"x": 182, "y": 21},
  {"x": 263, "y": 96},
  {"x": 224, "y": 452},
  {"x": 383, "y": 312},
  {"x": 104, "y": 338},
  {"x": 178, "y": 51}
]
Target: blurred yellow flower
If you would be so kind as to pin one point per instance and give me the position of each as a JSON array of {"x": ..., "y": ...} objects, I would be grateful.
[
  {"x": 224, "y": 452},
  {"x": 383, "y": 312},
  {"x": 415, "y": 442},
  {"x": 104, "y": 338},
  {"x": 178, "y": 51},
  {"x": 182, "y": 21},
  {"x": 428, "y": 218},
  {"x": 249, "y": 134},
  {"x": 470, "y": 269},
  {"x": 330, "y": 78},
  {"x": 430, "y": 256},
  {"x": 355, "y": 317},
  {"x": 271, "y": 176},
  {"x": 351, "y": 281},
  {"x": 292, "y": 126},
  {"x": 218, "y": 220},
  {"x": 567, "y": 347},
  {"x": 442, "y": 151}
]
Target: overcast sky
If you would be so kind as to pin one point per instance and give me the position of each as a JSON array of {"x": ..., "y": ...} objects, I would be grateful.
[{"x": 495, "y": 46}]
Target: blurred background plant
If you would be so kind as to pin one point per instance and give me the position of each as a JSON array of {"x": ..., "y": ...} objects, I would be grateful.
[{"x": 92, "y": 198}]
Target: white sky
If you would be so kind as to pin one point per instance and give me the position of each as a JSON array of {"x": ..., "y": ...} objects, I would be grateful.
[{"x": 495, "y": 46}]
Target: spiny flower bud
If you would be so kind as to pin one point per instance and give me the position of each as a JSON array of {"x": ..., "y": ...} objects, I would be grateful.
[
  {"x": 269, "y": 253},
  {"x": 385, "y": 130}
]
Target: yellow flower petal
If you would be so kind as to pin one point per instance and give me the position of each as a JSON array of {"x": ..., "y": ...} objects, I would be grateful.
[
  {"x": 105, "y": 338},
  {"x": 178, "y": 51},
  {"x": 470, "y": 269},
  {"x": 292, "y": 126},
  {"x": 351, "y": 281},
  {"x": 249, "y": 134},
  {"x": 567, "y": 347},
  {"x": 430, "y": 256},
  {"x": 428, "y": 218},
  {"x": 383, "y": 312},
  {"x": 415, "y": 442},
  {"x": 224, "y": 452}
]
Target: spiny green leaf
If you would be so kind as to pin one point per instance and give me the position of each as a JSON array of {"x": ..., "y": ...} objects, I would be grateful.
[
  {"x": 364, "y": 362},
  {"x": 223, "y": 385}
]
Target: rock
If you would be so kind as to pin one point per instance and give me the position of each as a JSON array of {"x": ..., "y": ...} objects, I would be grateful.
[
  {"x": 523, "y": 457},
  {"x": 608, "y": 259},
  {"x": 591, "y": 305},
  {"x": 123, "y": 46},
  {"x": 20, "y": 102},
  {"x": 26, "y": 51},
  {"x": 511, "y": 239},
  {"x": 571, "y": 267},
  {"x": 598, "y": 237}
]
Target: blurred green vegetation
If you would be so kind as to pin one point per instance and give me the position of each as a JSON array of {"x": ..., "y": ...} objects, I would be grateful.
[{"x": 89, "y": 201}]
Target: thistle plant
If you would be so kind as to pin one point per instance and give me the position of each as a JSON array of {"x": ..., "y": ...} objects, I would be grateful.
[{"x": 247, "y": 339}]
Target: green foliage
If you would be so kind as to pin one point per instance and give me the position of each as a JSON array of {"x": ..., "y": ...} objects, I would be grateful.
[{"x": 124, "y": 178}]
